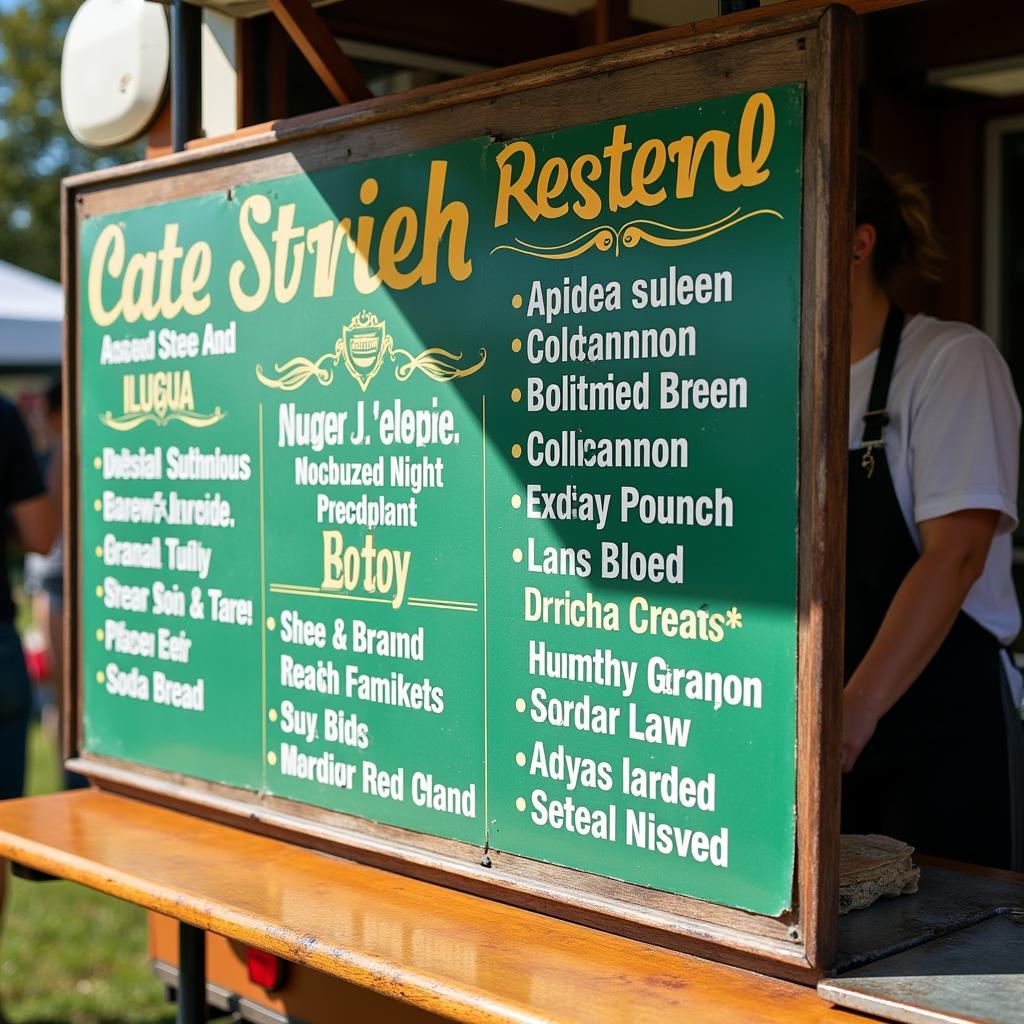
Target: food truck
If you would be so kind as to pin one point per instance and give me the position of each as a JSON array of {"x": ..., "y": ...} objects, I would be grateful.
[{"x": 454, "y": 596}]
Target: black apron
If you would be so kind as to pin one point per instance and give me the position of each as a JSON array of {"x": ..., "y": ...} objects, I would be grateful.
[{"x": 941, "y": 770}]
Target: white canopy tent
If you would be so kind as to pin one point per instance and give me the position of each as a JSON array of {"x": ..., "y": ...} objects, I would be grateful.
[{"x": 31, "y": 314}]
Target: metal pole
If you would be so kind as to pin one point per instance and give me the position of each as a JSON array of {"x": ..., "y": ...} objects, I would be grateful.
[
  {"x": 185, "y": 23},
  {"x": 191, "y": 975}
]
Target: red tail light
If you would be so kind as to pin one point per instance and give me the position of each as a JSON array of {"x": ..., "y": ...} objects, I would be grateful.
[{"x": 265, "y": 969}]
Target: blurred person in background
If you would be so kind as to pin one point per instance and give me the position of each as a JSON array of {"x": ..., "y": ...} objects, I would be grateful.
[
  {"x": 44, "y": 576},
  {"x": 29, "y": 523}
]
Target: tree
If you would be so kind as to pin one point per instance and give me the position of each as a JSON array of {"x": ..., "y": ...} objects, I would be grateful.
[{"x": 36, "y": 148}]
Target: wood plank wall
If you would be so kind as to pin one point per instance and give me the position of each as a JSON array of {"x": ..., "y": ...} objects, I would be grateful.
[{"x": 938, "y": 135}]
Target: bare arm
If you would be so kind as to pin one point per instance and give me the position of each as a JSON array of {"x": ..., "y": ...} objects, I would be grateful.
[
  {"x": 954, "y": 549},
  {"x": 35, "y": 523},
  {"x": 55, "y": 482}
]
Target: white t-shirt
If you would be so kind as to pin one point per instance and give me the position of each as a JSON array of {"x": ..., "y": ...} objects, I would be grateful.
[{"x": 952, "y": 443}]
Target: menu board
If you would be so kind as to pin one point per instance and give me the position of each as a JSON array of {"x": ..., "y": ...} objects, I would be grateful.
[{"x": 457, "y": 491}]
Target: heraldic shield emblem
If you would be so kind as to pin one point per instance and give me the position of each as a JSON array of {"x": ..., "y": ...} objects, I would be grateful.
[{"x": 364, "y": 343}]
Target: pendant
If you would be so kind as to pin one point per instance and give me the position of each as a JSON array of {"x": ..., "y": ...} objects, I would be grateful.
[{"x": 868, "y": 461}]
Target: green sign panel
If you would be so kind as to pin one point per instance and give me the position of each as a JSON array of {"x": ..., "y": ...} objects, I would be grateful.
[{"x": 458, "y": 491}]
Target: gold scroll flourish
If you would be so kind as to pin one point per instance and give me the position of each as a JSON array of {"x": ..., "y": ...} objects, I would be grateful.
[
  {"x": 295, "y": 372},
  {"x": 605, "y": 238},
  {"x": 191, "y": 419},
  {"x": 637, "y": 231},
  {"x": 437, "y": 363}
]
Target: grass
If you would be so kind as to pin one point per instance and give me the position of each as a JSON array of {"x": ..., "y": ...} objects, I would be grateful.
[{"x": 69, "y": 955}]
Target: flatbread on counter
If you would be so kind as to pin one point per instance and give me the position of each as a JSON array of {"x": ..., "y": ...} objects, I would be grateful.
[{"x": 874, "y": 866}]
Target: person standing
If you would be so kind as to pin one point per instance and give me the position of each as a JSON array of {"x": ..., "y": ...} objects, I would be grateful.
[
  {"x": 28, "y": 520},
  {"x": 932, "y": 741},
  {"x": 44, "y": 574}
]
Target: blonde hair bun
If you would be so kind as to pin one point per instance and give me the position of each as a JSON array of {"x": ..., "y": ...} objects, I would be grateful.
[
  {"x": 922, "y": 248},
  {"x": 898, "y": 209}
]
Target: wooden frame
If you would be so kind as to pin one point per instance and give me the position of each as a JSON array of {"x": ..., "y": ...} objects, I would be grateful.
[{"x": 666, "y": 68}]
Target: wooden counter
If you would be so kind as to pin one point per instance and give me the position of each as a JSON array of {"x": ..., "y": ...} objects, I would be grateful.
[{"x": 456, "y": 955}]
